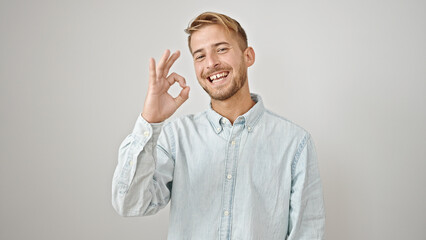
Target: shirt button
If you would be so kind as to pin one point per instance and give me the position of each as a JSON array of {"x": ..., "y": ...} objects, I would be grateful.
[
  {"x": 226, "y": 213},
  {"x": 233, "y": 142},
  {"x": 146, "y": 133},
  {"x": 249, "y": 128},
  {"x": 218, "y": 129},
  {"x": 223, "y": 120},
  {"x": 229, "y": 176}
]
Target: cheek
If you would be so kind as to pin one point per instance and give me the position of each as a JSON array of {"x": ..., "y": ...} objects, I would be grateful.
[
  {"x": 232, "y": 61},
  {"x": 198, "y": 70}
]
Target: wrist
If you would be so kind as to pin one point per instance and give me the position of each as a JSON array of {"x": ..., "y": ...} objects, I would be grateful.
[{"x": 150, "y": 119}]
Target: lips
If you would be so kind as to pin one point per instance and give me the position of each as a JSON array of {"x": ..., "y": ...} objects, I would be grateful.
[{"x": 218, "y": 76}]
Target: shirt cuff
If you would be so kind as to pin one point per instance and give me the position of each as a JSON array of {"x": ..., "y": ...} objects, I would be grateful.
[{"x": 146, "y": 129}]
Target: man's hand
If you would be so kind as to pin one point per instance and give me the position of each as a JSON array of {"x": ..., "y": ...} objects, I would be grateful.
[{"x": 159, "y": 104}]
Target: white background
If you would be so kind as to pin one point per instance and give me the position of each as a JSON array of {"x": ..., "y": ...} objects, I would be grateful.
[{"x": 74, "y": 77}]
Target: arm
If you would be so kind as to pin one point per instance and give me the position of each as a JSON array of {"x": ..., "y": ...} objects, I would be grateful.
[
  {"x": 307, "y": 214},
  {"x": 142, "y": 179}
]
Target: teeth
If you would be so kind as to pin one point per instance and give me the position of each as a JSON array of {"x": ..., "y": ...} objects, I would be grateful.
[{"x": 219, "y": 75}]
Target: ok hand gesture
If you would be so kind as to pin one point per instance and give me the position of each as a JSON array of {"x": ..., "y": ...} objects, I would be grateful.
[{"x": 159, "y": 104}]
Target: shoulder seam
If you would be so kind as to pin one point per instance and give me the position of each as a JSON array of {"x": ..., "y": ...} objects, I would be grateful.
[{"x": 300, "y": 148}]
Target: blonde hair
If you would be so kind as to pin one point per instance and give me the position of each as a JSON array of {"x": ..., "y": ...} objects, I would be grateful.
[{"x": 209, "y": 18}]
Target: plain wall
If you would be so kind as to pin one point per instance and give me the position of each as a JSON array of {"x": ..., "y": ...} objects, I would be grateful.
[{"x": 74, "y": 78}]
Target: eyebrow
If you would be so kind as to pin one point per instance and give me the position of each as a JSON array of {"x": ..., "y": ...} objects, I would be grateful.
[{"x": 214, "y": 45}]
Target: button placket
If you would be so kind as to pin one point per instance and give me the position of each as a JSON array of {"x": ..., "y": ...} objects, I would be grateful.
[{"x": 229, "y": 183}]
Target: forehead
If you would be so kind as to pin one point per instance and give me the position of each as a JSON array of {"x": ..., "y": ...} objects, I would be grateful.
[{"x": 209, "y": 35}]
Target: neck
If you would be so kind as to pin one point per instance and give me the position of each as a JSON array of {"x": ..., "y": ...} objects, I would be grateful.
[{"x": 234, "y": 106}]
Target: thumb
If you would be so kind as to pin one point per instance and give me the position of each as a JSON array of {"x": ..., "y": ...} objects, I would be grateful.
[{"x": 183, "y": 96}]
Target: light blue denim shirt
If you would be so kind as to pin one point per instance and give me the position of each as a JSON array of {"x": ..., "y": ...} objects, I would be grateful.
[{"x": 255, "y": 179}]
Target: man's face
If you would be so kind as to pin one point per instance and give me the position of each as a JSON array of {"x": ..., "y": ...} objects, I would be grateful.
[{"x": 219, "y": 62}]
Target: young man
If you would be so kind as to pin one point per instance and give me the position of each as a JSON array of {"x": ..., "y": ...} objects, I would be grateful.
[{"x": 234, "y": 171}]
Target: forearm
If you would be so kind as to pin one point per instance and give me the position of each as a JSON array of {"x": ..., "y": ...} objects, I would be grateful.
[{"x": 133, "y": 188}]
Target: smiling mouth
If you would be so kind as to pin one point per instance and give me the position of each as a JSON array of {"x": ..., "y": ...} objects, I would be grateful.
[{"x": 218, "y": 76}]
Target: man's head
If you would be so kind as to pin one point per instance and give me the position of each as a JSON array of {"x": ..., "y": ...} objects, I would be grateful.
[{"x": 221, "y": 56}]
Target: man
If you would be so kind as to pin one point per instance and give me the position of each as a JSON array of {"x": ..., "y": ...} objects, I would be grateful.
[{"x": 234, "y": 171}]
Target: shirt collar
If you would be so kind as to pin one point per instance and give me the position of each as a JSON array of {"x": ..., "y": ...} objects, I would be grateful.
[{"x": 250, "y": 118}]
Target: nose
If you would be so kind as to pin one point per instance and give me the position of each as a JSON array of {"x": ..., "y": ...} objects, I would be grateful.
[{"x": 212, "y": 61}]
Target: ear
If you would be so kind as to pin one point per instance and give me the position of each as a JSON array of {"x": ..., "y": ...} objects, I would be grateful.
[{"x": 249, "y": 56}]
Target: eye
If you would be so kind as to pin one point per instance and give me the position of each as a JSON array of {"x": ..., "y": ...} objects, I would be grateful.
[
  {"x": 199, "y": 57},
  {"x": 221, "y": 50}
]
